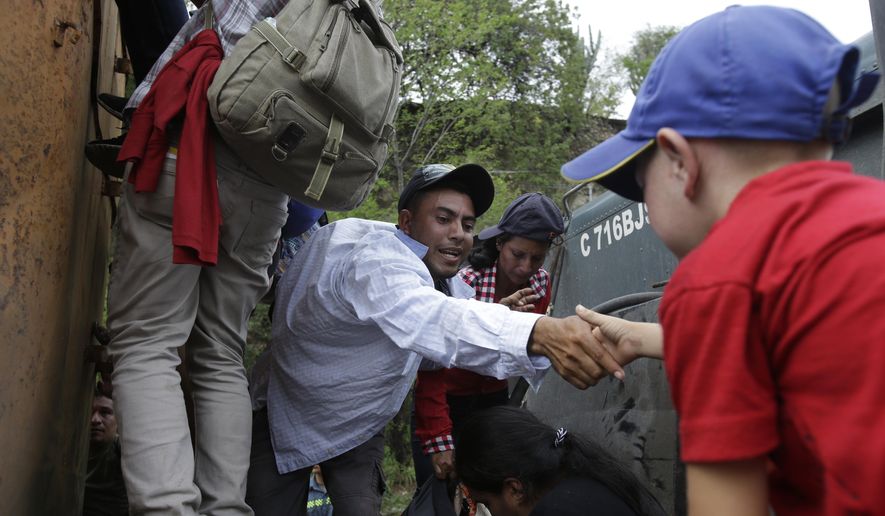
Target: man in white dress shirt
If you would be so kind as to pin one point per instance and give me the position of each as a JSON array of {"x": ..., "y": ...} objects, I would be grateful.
[{"x": 359, "y": 307}]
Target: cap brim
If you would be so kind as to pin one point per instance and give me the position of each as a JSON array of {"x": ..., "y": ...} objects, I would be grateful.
[
  {"x": 490, "y": 232},
  {"x": 612, "y": 164},
  {"x": 475, "y": 179}
]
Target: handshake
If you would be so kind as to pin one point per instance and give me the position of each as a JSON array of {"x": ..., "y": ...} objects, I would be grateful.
[{"x": 588, "y": 346}]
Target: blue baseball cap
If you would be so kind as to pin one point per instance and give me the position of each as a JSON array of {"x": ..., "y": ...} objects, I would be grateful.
[{"x": 748, "y": 72}]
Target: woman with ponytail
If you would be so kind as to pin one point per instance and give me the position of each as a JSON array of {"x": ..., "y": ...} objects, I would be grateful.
[{"x": 517, "y": 466}]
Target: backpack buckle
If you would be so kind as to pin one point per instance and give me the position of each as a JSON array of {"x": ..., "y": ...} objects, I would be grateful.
[
  {"x": 287, "y": 141},
  {"x": 295, "y": 58}
]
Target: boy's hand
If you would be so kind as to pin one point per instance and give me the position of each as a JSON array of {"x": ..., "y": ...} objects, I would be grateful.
[
  {"x": 624, "y": 340},
  {"x": 522, "y": 300},
  {"x": 576, "y": 355}
]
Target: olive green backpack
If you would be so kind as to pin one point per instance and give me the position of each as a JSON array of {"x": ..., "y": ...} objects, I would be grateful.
[{"x": 307, "y": 99}]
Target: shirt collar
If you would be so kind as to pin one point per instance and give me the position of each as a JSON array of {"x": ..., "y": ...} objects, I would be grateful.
[
  {"x": 415, "y": 246},
  {"x": 457, "y": 287},
  {"x": 460, "y": 289}
]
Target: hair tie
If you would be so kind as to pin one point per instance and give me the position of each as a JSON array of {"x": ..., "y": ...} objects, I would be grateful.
[{"x": 560, "y": 437}]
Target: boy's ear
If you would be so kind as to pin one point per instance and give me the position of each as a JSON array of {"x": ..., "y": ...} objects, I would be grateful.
[
  {"x": 683, "y": 160},
  {"x": 514, "y": 492},
  {"x": 404, "y": 221}
]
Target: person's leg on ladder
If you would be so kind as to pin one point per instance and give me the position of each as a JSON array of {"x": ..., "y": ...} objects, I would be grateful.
[
  {"x": 252, "y": 215},
  {"x": 152, "y": 304}
]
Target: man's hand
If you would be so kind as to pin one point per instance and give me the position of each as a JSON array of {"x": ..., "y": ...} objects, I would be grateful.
[
  {"x": 522, "y": 300},
  {"x": 576, "y": 355},
  {"x": 625, "y": 340},
  {"x": 443, "y": 464}
]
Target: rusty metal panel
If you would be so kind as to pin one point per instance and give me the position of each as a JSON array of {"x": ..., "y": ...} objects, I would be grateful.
[{"x": 54, "y": 233}]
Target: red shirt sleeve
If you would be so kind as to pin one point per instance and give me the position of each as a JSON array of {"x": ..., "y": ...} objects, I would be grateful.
[
  {"x": 432, "y": 424},
  {"x": 718, "y": 372}
]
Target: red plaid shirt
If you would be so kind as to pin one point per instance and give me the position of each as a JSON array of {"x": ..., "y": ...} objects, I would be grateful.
[
  {"x": 483, "y": 282},
  {"x": 433, "y": 425}
]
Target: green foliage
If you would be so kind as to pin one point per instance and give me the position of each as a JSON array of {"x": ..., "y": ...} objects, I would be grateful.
[
  {"x": 503, "y": 83},
  {"x": 508, "y": 84},
  {"x": 505, "y": 193},
  {"x": 400, "y": 484},
  {"x": 258, "y": 337},
  {"x": 380, "y": 205},
  {"x": 398, "y": 468},
  {"x": 647, "y": 44}
]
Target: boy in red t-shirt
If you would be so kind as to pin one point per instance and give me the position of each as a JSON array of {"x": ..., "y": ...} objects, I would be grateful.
[{"x": 773, "y": 325}]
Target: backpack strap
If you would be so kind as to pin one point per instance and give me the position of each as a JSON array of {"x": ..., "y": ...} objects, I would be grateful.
[
  {"x": 208, "y": 16},
  {"x": 291, "y": 55},
  {"x": 327, "y": 159}
]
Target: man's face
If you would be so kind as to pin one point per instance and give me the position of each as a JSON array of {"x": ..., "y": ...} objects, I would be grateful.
[
  {"x": 443, "y": 220},
  {"x": 104, "y": 423}
]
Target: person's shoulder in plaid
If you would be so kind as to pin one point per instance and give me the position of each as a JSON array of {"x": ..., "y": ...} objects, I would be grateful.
[
  {"x": 539, "y": 282},
  {"x": 482, "y": 280},
  {"x": 469, "y": 275}
]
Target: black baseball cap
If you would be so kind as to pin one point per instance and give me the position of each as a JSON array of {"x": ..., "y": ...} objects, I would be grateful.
[
  {"x": 474, "y": 177},
  {"x": 532, "y": 216}
]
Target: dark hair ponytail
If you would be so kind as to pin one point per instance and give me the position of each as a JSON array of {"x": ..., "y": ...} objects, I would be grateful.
[
  {"x": 485, "y": 253},
  {"x": 509, "y": 442},
  {"x": 588, "y": 459}
]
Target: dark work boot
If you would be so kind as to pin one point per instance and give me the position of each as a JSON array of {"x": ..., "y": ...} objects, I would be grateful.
[
  {"x": 113, "y": 104},
  {"x": 103, "y": 155}
]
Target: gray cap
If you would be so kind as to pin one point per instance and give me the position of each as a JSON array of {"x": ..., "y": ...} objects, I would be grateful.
[
  {"x": 532, "y": 216},
  {"x": 477, "y": 180}
]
